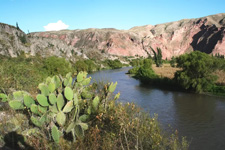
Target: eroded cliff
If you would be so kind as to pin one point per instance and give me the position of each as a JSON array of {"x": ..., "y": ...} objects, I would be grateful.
[{"x": 174, "y": 38}]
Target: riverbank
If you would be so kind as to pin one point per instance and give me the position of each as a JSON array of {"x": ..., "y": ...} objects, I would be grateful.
[
  {"x": 190, "y": 114},
  {"x": 167, "y": 71},
  {"x": 99, "y": 122},
  {"x": 164, "y": 77},
  {"x": 25, "y": 72}
]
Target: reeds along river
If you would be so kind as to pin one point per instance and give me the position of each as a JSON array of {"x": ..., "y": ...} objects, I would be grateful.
[{"x": 200, "y": 118}]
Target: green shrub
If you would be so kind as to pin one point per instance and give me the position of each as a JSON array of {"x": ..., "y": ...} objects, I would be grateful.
[
  {"x": 81, "y": 66},
  {"x": 173, "y": 62},
  {"x": 136, "y": 62},
  {"x": 64, "y": 119},
  {"x": 145, "y": 72},
  {"x": 23, "y": 73},
  {"x": 20, "y": 73},
  {"x": 133, "y": 71},
  {"x": 197, "y": 71},
  {"x": 55, "y": 65},
  {"x": 91, "y": 65},
  {"x": 60, "y": 105},
  {"x": 114, "y": 64}
]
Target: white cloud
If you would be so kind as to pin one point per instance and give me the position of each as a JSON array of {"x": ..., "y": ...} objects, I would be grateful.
[{"x": 56, "y": 26}]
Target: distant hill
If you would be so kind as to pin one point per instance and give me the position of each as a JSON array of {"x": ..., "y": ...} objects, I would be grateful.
[{"x": 174, "y": 38}]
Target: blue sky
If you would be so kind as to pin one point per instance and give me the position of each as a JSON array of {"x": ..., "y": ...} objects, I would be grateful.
[{"x": 33, "y": 15}]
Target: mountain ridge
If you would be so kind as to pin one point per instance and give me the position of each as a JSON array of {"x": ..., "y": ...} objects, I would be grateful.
[{"x": 174, "y": 38}]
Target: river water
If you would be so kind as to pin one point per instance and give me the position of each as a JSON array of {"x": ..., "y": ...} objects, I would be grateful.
[{"x": 200, "y": 118}]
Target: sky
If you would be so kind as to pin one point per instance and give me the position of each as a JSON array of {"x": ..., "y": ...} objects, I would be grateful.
[{"x": 46, "y": 15}]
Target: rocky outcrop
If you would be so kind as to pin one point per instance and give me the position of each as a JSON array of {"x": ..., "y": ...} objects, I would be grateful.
[
  {"x": 175, "y": 38},
  {"x": 95, "y": 42},
  {"x": 12, "y": 40}
]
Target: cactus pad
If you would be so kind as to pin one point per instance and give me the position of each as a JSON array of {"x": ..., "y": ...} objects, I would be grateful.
[
  {"x": 3, "y": 97},
  {"x": 16, "y": 104},
  {"x": 52, "y": 98},
  {"x": 112, "y": 87},
  {"x": 68, "y": 93},
  {"x": 44, "y": 89},
  {"x": 68, "y": 107},
  {"x": 61, "y": 118},
  {"x": 55, "y": 134},
  {"x": 42, "y": 100},
  {"x": 60, "y": 102},
  {"x": 95, "y": 103},
  {"x": 28, "y": 101}
]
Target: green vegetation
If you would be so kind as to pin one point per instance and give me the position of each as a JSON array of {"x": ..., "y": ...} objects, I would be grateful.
[
  {"x": 145, "y": 72},
  {"x": 197, "y": 73},
  {"x": 173, "y": 62},
  {"x": 54, "y": 65},
  {"x": 143, "y": 69},
  {"x": 86, "y": 65},
  {"x": 113, "y": 64},
  {"x": 217, "y": 55},
  {"x": 17, "y": 26},
  {"x": 137, "y": 62},
  {"x": 158, "y": 57},
  {"x": 66, "y": 115},
  {"x": 23, "y": 73}
]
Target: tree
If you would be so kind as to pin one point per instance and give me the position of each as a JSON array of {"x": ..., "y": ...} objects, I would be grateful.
[
  {"x": 197, "y": 71},
  {"x": 145, "y": 72},
  {"x": 158, "y": 57},
  {"x": 17, "y": 26},
  {"x": 173, "y": 62}
]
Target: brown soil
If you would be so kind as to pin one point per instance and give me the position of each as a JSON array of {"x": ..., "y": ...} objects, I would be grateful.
[
  {"x": 165, "y": 71},
  {"x": 221, "y": 77}
]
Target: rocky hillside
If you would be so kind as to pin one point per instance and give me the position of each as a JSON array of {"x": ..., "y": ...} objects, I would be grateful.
[
  {"x": 174, "y": 38},
  {"x": 12, "y": 40}
]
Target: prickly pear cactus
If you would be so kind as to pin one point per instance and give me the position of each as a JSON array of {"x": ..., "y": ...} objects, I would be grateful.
[
  {"x": 3, "y": 97},
  {"x": 62, "y": 105}
]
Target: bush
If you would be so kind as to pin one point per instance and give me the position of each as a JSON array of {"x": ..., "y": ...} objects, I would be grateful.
[
  {"x": 173, "y": 62},
  {"x": 136, "y": 62},
  {"x": 145, "y": 72},
  {"x": 23, "y": 73},
  {"x": 133, "y": 71},
  {"x": 81, "y": 66},
  {"x": 197, "y": 71},
  {"x": 114, "y": 64},
  {"x": 91, "y": 65},
  {"x": 20, "y": 73},
  {"x": 63, "y": 119},
  {"x": 55, "y": 65}
]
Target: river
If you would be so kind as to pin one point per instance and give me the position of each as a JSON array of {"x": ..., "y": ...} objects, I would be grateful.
[{"x": 200, "y": 118}]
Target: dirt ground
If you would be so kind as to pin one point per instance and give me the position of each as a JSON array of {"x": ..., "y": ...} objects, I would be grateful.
[{"x": 167, "y": 71}]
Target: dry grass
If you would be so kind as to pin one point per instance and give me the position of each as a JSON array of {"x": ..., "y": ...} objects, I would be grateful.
[
  {"x": 221, "y": 77},
  {"x": 167, "y": 71}
]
